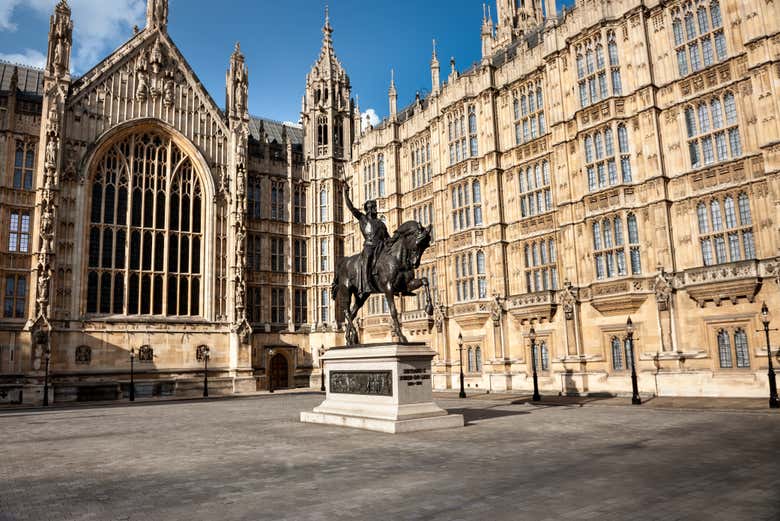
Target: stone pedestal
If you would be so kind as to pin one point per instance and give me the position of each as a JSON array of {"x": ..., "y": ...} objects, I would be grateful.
[{"x": 381, "y": 387}]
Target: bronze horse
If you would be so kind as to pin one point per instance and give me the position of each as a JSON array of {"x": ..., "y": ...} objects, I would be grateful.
[{"x": 393, "y": 276}]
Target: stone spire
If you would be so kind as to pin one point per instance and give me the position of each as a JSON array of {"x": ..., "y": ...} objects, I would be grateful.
[
  {"x": 237, "y": 86},
  {"x": 393, "y": 96},
  {"x": 327, "y": 35},
  {"x": 157, "y": 14},
  {"x": 487, "y": 31},
  {"x": 435, "y": 68},
  {"x": 453, "y": 70},
  {"x": 60, "y": 40}
]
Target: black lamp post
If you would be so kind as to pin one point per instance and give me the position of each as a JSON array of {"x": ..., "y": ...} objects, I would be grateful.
[
  {"x": 635, "y": 399},
  {"x": 460, "y": 354},
  {"x": 205, "y": 371},
  {"x": 322, "y": 369},
  {"x": 773, "y": 401},
  {"x": 532, "y": 336},
  {"x": 43, "y": 340},
  {"x": 132, "y": 374},
  {"x": 271, "y": 354}
]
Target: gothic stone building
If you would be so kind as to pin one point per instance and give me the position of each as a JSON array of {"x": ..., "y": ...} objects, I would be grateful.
[{"x": 616, "y": 159}]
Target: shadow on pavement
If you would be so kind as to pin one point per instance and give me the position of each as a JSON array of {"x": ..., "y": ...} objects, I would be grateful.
[
  {"x": 81, "y": 406},
  {"x": 576, "y": 401},
  {"x": 471, "y": 414}
]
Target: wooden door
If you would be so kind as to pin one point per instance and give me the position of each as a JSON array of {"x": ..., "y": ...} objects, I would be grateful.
[{"x": 279, "y": 372}]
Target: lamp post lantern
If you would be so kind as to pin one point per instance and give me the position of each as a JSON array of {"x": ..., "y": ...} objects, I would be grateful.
[
  {"x": 635, "y": 399},
  {"x": 206, "y": 371},
  {"x": 132, "y": 374},
  {"x": 532, "y": 336},
  {"x": 774, "y": 403},
  {"x": 462, "y": 393},
  {"x": 322, "y": 369}
]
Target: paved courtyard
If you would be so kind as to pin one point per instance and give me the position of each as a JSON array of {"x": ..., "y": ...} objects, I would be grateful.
[{"x": 250, "y": 459}]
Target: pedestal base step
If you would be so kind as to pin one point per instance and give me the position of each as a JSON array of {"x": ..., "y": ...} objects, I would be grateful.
[{"x": 390, "y": 426}]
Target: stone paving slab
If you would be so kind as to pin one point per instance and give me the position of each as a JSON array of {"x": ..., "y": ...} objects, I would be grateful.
[{"x": 251, "y": 459}]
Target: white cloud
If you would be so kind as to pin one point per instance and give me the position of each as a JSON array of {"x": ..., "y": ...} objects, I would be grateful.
[
  {"x": 6, "y": 8},
  {"x": 291, "y": 124},
  {"x": 29, "y": 57},
  {"x": 99, "y": 26},
  {"x": 369, "y": 116}
]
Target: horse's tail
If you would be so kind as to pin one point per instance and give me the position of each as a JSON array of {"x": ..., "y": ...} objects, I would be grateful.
[{"x": 334, "y": 287}]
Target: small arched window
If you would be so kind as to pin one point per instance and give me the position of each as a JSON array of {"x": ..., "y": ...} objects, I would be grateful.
[
  {"x": 381, "y": 175},
  {"x": 741, "y": 348},
  {"x": 323, "y": 205},
  {"x": 477, "y": 202},
  {"x": 744, "y": 210},
  {"x": 704, "y": 224},
  {"x": 470, "y": 360},
  {"x": 724, "y": 350},
  {"x": 478, "y": 359}
]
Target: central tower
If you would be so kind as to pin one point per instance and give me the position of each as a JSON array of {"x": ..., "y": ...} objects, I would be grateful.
[{"x": 327, "y": 112}]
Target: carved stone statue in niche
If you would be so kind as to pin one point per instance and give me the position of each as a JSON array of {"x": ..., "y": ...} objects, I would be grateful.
[
  {"x": 663, "y": 288},
  {"x": 240, "y": 180},
  {"x": 168, "y": 89},
  {"x": 240, "y": 238},
  {"x": 51, "y": 153},
  {"x": 496, "y": 309},
  {"x": 142, "y": 88},
  {"x": 439, "y": 314},
  {"x": 240, "y": 293},
  {"x": 53, "y": 123},
  {"x": 568, "y": 300}
]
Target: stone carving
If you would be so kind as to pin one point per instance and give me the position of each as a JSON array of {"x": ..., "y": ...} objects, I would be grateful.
[
  {"x": 663, "y": 288},
  {"x": 83, "y": 355},
  {"x": 157, "y": 14},
  {"x": 60, "y": 40},
  {"x": 439, "y": 315},
  {"x": 374, "y": 383},
  {"x": 496, "y": 310},
  {"x": 569, "y": 297},
  {"x": 156, "y": 74},
  {"x": 145, "y": 354}
]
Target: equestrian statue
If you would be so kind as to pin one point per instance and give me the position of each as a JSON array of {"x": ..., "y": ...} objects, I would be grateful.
[{"x": 385, "y": 266}]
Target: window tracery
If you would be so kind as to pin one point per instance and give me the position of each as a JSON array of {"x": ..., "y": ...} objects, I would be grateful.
[{"x": 146, "y": 231}]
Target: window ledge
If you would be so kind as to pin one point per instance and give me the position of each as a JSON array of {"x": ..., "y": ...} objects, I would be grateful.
[{"x": 720, "y": 282}]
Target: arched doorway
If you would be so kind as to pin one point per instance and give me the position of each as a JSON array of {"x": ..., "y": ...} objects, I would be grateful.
[{"x": 279, "y": 372}]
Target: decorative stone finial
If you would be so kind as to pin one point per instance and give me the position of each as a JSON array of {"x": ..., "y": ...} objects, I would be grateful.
[{"x": 157, "y": 14}]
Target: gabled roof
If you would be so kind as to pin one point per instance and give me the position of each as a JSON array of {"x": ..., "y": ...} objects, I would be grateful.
[
  {"x": 30, "y": 78},
  {"x": 273, "y": 130}
]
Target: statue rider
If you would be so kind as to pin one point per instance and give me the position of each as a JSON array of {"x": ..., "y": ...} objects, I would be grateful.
[{"x": 375, "y": 234}]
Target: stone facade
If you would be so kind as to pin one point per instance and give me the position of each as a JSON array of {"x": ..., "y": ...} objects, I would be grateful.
[
  {"x": 619, "y": 158},
  {"x": 616, "y": 159}
]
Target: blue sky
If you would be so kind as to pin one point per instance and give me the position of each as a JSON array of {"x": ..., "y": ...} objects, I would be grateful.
[{"x": 281, "y": 40}]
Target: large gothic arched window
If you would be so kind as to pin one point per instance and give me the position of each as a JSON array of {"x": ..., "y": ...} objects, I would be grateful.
[{"x": 146, "y": 230}]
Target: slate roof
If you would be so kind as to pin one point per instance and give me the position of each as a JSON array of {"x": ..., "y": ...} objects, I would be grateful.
[
  {"x": 273, "y": 130},
  {"x": 30, "y": 78}
]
